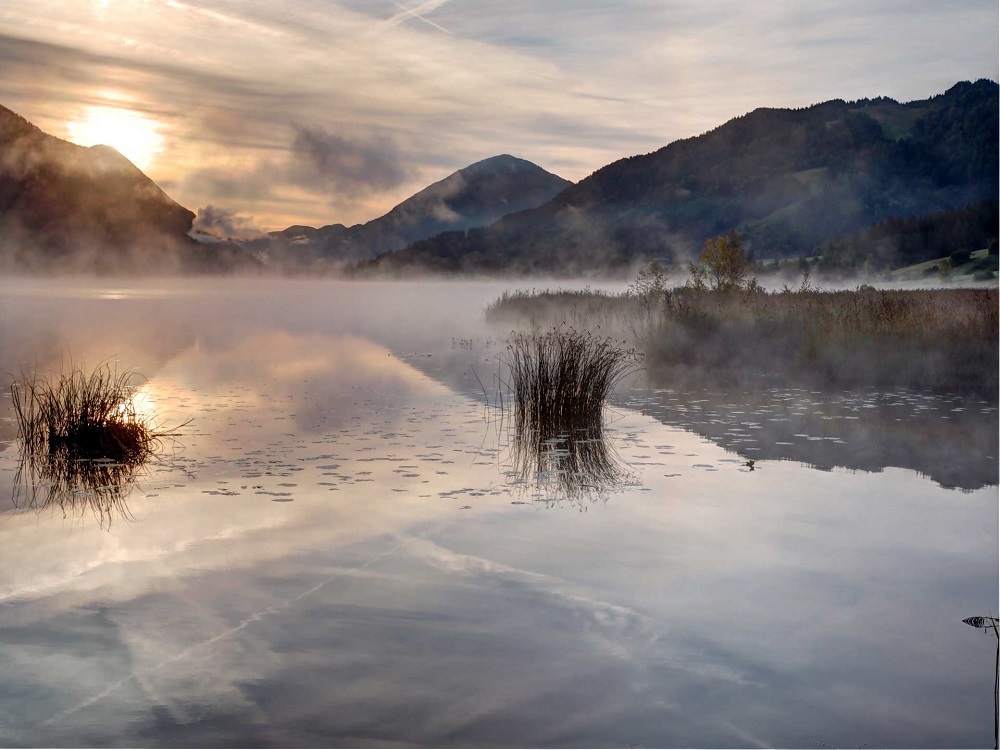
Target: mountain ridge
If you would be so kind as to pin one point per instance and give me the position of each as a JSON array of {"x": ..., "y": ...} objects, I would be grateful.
[
  {"x": 788, "y": 179},
  {"x": 70, "y": 208},
  {"x": 471, "y": 197}
]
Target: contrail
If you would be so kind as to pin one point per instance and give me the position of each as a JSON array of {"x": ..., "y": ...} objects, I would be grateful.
[
  {"x": 245, "y": 622},
  {"x": 417, "y": 11}
]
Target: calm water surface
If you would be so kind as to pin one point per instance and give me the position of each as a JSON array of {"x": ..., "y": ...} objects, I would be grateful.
[{"x": 342, "y": 549}]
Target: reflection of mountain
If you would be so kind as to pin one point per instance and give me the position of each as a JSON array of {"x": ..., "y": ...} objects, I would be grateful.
[
  {"x": 70, "y": 208},
  {"x": 951, "y": 440},
  {"x": 472, "y": 197}
]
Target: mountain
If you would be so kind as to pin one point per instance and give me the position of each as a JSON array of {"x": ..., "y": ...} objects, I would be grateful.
[
  {"x": 64, "y": 207},
  {"x": 472, "y": 197},
  {"x": 789, "y": 180}
]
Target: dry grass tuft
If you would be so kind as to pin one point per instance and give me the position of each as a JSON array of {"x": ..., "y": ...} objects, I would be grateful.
[
  {"x": 83, "y": 439},
  {"x": 87, "y": 416},
  {"x": 562, "y": 378}
]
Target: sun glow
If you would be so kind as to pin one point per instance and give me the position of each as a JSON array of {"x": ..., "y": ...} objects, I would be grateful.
[{"x": 134, "y": 135}]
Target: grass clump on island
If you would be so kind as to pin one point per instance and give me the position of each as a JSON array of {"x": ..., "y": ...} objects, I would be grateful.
[
  {"x": 84, "y": 416},
  {"x": 721, "y": 322},
  {"x": 82, "y": 441}
]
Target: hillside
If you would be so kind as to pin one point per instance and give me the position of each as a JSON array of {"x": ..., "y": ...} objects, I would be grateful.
[
  {"x": 475, "y": 196},
  {"x": 64, "y": 207},
  {"x": 790, "y": 180}
]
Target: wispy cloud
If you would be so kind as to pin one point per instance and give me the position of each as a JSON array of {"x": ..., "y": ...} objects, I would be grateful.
[{"x": 416, "y": 89}]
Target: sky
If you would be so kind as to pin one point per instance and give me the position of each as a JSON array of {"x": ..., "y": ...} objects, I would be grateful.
[{"x": 260, "y": 114}]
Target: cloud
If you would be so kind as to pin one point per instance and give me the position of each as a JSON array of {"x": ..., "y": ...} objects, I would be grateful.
[
  {"x": 569, "y": 86},
  {"x": 223, "y": 223},
  {"x": 331, "y": 160}
]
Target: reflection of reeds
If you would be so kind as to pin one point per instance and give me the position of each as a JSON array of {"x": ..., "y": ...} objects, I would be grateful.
[
  {"x": 75, "y": 485},
  {"x": 82, "y": 441},
  {"x": 571, "y": 465},
  {"x": 561, "y": 380}
]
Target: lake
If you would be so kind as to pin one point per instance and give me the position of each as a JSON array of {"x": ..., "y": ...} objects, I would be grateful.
[{"x": 345, "y": 547}]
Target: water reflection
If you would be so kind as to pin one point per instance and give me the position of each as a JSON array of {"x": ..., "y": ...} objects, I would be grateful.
[
  {"x": 401, "y": 599},
  {"x": 949, "y": 438},
  {"x": 578, "y": 466},
  {"x": 76, "y": 486}
]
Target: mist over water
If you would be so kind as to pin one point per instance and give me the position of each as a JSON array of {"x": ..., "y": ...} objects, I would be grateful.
[{"x": 344, "y": 546}]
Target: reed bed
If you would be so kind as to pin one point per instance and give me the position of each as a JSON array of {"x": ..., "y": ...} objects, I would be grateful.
[
  {"x": 562, "y": 378},
  {"x": 941, "y": 339},
  {"x": 559, "y": 382}
]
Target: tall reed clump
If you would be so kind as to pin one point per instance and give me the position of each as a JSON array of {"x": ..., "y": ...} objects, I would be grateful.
[
  {"x": 84, "y": 416},
  {"x": 562, "y": 378},
  {"x": 83, "y": 441}
]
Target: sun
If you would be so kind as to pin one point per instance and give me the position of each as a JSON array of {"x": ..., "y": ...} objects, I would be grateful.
[{"x": 131, "y": 133}]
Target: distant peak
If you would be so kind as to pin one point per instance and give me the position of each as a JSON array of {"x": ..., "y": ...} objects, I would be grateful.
[{"x": 501, "y": 161}]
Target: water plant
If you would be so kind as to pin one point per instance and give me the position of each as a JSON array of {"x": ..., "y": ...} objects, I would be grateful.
[
  {"x": 987, "y": 623},
  {"x": 561, "y": 378},
  {"x": 559, "y": 381},
  {"x": 82, "y": 440},
  {"x": 942, "y": 339},
  {"x": 87, "y": 416}
]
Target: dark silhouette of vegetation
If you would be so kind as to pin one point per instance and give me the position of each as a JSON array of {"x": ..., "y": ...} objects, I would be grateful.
[
  {"x": 561, "y": 378},
  {"x": 560, "y": 381},
  {"x": 988, "y": 623},
  {"x": 82, "y": 440}
]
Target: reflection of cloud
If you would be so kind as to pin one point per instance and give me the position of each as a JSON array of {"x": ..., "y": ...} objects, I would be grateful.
[
  {"x": 342, "y": 361},
  {"x": 607, "y": 619}
]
